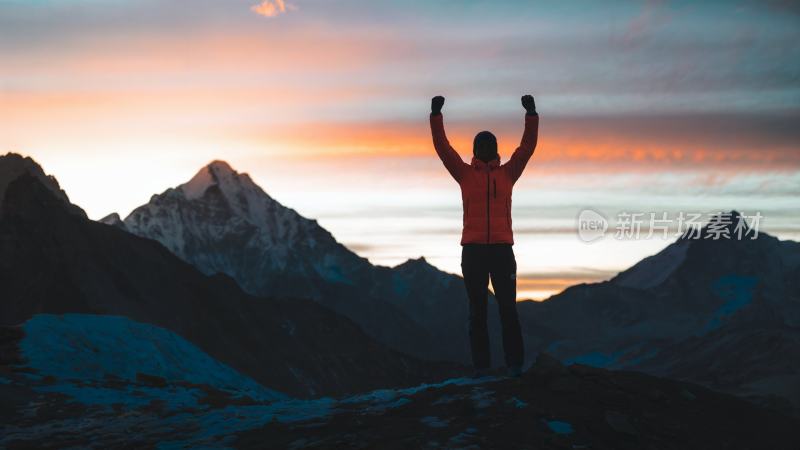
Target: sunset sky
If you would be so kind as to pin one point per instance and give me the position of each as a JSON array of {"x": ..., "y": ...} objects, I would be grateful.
[{"x": 645, "y": 106}]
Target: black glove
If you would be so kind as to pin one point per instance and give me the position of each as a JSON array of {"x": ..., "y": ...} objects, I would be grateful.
[
  {"x": 529, "y": 105},
  {"x": 436, "y": 105}
]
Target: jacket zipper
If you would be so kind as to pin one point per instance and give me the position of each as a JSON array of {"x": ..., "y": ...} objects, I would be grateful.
[
  {"x": 487, "y": 207},
  {"x": 494, "y": 185}
]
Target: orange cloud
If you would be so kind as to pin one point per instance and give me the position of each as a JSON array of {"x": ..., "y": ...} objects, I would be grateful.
[
  {"x": 272, "y": 8},
  {"x": 248, "y": 116},
  {"x": 557, "y": 150}
]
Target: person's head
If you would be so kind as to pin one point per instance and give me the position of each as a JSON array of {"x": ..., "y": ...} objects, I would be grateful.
[{"x": 484, "y": 147}]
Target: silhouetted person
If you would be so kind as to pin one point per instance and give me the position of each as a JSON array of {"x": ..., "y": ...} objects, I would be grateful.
[{"x": 487, "y": 237}]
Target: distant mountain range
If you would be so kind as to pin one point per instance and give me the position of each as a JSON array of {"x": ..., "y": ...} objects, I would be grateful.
[
  {"x": 724, "y": 313},
  {"x": 220, "y": 221},
  {"x": 55, "y": 260},
  {"x": 660, "y": 315}
]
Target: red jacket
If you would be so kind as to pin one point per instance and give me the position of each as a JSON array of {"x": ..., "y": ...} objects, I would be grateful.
[{"x": 486, "y": 187}]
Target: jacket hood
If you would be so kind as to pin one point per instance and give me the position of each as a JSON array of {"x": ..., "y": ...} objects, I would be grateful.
[{"x": 480, "y": 165}]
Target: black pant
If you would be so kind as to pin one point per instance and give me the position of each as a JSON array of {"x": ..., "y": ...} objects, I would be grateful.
[{"x": 478, "y": 263}]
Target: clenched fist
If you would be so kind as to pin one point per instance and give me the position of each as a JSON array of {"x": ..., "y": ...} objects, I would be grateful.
[
  {"x": 436, "y": 105},
  {"x": 528, "y": 104}
]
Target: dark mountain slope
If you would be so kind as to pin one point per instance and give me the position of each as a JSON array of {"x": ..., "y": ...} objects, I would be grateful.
[
  {"x": 724, "y": 312},
  {"x": 53, "y": 260},
  {"x": 220, "y": 221},
  {"x": 683, "y": 294}
]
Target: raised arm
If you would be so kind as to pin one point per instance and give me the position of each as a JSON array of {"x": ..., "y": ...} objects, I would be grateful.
[
  {"x": 523, "y": 153},
  {"x": 452, "y": 161}
]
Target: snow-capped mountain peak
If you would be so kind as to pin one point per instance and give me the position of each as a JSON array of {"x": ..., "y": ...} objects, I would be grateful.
[
  {"x": 245, "y": 198},
  {"x": 217, "y": 173},
  {"x": 221, "y": 221}
]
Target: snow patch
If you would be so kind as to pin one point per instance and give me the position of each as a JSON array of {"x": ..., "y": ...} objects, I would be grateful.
[
  {"x": 387, "y": 395},
  {"x": 482, "y": 398},
  {"x": 93, "y": 347}
]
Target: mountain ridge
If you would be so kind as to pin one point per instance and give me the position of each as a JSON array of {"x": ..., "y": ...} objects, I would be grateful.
[
  {"x": 714, "y": 292},
  {"x": 221, "y": 221},
  {"x": 55, "y": 261},
  {"x": 649, "y": 317},
  {"x": 657, "y": 304},
  {"x": 14, "y": 165}
]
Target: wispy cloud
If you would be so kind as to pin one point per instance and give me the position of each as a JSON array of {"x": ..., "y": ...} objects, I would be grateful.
[
  {"x": 272, "y": 8},
  {"x": 653, "y": 14}
]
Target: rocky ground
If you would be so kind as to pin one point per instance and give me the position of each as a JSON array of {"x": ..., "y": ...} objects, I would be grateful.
[{"x": 550, "y": 407}]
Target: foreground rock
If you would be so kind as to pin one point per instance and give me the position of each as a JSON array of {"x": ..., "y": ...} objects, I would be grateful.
[{"x": 549, "y": 407}]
